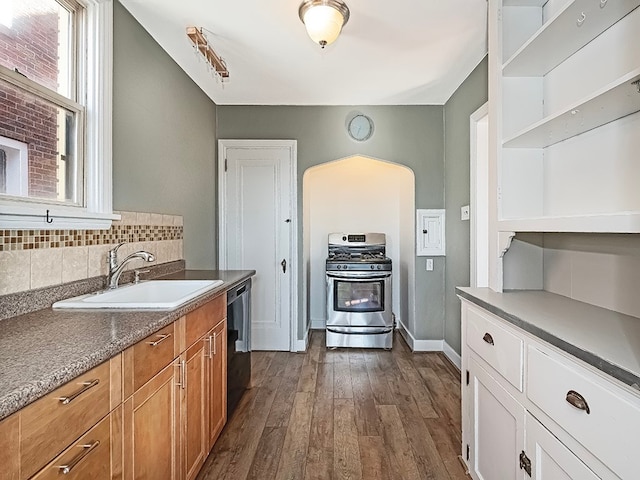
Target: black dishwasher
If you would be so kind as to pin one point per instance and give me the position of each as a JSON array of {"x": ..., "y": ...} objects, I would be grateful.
[{"x": 238, "y": 343}]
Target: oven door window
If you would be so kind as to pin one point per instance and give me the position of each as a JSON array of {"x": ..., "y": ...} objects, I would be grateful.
[{"x": 358, "y": 296}]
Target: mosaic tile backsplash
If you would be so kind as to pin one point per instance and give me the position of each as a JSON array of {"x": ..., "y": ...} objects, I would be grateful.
[{"x": 31, "y": 259}]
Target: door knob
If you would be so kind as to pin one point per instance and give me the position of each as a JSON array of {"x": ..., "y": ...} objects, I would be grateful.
[{"x": 284, "y": 265}]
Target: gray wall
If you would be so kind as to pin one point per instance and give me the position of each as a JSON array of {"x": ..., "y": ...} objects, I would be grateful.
[
  {"x": 163, "y": 139},
  {"x": 470, "y": 96},
  {"x": 410, "y": 135}
]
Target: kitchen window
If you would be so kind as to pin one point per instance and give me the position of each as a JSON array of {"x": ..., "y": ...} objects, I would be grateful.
[{"x": 55, "y": 114}]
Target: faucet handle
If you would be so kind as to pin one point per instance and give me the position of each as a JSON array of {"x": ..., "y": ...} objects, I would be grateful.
[{"x": 136, "y": 275}]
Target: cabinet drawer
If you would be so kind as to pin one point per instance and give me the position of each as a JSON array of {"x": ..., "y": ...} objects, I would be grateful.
[
  {"x": 147, "y": 357},
  {"x": 52, "y": 423},
  {"x": 497, "y": 346},
  {"x": 89, "y": 457},
  {"x": 607, "y": 424},
  {"x": 203, "y": 319}
]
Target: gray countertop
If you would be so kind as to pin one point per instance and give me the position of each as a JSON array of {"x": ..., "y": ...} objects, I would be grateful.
[
  {"x": 607, "y": 340},
  {"x": 42, "y": 350}
]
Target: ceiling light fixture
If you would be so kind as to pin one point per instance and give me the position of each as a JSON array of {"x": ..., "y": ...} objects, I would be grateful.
[
  {"x": 203, "y": 47},
  {"x": 324, "y": 19}
]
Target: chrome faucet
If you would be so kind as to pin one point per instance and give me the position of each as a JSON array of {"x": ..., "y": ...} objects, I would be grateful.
[{"x": 116, "y": 270}]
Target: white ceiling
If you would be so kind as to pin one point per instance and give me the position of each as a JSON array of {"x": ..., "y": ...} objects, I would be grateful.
[{"x": 400, "y": 52}]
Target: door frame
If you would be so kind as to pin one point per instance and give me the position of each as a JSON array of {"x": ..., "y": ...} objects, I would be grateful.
[
  {"x": 479, "y": 230},
  {"x": 292, "y": 145}
]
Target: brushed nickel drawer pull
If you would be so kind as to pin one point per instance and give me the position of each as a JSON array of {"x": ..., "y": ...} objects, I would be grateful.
[
  {"x": 578, "y": 401},
  {"x": 210, "y": 339},
  {"x": 183, "y": 374},
  {"x": 86, "y": 450},
  {"x": 162, "y": 337},
  {"x": 85, "y": 386},
  {"x": 488, "y": 338}
]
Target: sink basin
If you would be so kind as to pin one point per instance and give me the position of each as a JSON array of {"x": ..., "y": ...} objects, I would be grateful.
[{"x": 153, "y": 294}]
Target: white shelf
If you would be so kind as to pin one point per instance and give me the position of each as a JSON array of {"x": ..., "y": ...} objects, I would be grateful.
[
  {"x": 614, "y": 101},
  {"x": 620, "y": 222},
  {"x": 560, "y": 37}
]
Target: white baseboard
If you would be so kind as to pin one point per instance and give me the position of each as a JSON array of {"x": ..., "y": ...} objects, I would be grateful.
[
  {"x": 429, "y": 345},
  {"x": 419, "y": 345},
  {"x": 318, "y": 324},
  {"x": 302, "y": 345},
  {"x": 452, "y": 355}
]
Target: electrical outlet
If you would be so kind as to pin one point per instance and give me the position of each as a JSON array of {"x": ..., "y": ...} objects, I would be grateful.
[
  {"x": 464, "y": 212},
  {"x": 429, "y": 264}
]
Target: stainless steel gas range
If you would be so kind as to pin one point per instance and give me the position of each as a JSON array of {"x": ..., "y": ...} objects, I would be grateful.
[{"x": 359, "y": 291}]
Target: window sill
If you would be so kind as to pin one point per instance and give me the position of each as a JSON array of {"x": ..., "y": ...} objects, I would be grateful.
[{"x": 34, "y": 217}]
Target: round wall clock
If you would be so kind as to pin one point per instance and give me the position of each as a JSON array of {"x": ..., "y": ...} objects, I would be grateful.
[{"x": 360, "y": 128}]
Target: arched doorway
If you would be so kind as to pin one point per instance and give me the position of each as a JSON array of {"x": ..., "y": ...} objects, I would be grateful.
[{"x": 359, "y": 194}]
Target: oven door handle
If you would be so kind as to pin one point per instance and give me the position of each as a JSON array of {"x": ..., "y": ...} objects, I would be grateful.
[
  {"x": 358, "y": 278},
  {"x": 359, "y": 330}
]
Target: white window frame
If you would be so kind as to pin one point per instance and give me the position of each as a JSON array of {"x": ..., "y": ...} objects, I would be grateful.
[{"x": 96, "y": 91}]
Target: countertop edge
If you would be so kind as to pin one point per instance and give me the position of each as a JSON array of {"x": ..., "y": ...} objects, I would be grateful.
[
  {"x": 12, "y": 401},
  {"x": 613, "y": 370}
]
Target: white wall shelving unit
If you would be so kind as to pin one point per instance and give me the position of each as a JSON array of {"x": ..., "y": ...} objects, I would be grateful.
[{"x": 565, "y": 112}]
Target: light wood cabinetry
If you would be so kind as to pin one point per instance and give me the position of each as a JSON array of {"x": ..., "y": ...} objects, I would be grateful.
[
  {"x": 568, "y": 421},
  {"x": 195, "y": 397},
  {"x": 151, "y": 427},
  {"x": 217, "y": 382},
  {"x": 32, "y": 437},
  {"x": 96, "y": 455},
  {"x": 168, "y": 419},
  {"x": 152, "y": 412}
]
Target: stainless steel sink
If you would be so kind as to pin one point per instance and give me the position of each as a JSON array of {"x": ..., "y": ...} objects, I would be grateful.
[{"x": 153, "y": 294}]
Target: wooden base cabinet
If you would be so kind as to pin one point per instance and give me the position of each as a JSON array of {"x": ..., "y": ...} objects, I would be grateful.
[
  {"x": 151, "y": 428},
  {"x": 172, "y": 420},
  {"x": 217, "y": 376},
  {"x": 195, "y": 420}
]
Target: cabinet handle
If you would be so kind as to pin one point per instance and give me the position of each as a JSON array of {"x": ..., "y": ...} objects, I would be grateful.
[
  {"x": 488, "y": 338},
  {"x": 183, "y": 374},
  {"x": 578, "y": 401},
  {"x": 162, "y": 338},
  {"x": 215, "y": 335},
  {"x": 210, "y": 339},
  {"x": 86, "y": 450},
  {"x": 85, "y": 386}
]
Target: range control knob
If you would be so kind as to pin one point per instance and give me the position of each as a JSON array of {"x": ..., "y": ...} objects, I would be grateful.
[
  {"x": 344, "y": 267},
  {"x": 379, "y": 267},
  {"x": 339, "y": 267},
  {"x": 372, "y": 267}
]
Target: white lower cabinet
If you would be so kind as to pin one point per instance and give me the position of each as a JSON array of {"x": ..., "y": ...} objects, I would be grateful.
[
  {"x": 550, "y": 459},
  {"x": 497, "y": 428},
  {"x": 567, "y": 422}
]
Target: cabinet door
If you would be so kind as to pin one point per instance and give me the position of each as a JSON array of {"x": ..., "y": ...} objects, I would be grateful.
[
  {"x": 497, "y": 428},
  {"x": 217, "y": 376},
  {"x": 194, "y": 408},
  {"x": 550, "y": 459},
  {"x": 151, "y": 427}
]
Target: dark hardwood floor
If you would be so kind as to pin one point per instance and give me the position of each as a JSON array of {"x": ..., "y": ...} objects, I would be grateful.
[{"x": 344, "y": 414}]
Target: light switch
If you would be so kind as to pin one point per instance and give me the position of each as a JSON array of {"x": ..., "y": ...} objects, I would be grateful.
[
  {"x": 429, "y": 264},
  {"x": 464, "y": 212}
]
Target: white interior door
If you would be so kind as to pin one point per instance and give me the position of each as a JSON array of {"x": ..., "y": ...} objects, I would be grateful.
[{"x": 257, "y": 232}]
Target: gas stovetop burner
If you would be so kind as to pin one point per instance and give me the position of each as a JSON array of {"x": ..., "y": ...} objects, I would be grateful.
[{"x": 362, "y": 251}]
